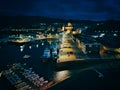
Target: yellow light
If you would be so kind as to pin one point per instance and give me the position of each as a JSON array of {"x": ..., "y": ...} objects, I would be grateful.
[
  {"x": 117, "y": 50},
  {"x": 105, "y": 48},
  {"x": 62, "y": 75},
  {"x": 74, "y": 32}
]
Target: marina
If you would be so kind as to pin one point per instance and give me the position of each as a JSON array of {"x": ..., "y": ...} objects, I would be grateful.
[{"x": 25, "y": 78}]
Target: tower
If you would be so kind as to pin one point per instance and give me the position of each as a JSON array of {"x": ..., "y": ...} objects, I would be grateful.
[{"x": 69, "y": 28}]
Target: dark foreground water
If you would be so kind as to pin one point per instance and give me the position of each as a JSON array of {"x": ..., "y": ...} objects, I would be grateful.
[
  {"x": 89, "y": 80},
  {"x": 10, "y": 53},
  {"x": 14, "y": 53},
  {"x": 80, "y": 80}
]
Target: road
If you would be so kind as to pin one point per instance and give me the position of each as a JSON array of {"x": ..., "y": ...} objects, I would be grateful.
[{"x": 69, "y": 50}]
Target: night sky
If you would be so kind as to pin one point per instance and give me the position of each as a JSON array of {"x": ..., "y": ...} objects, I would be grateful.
[{"x": 68, "y": 9}]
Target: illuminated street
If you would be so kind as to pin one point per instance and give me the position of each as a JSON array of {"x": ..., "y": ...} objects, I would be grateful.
[{"x": 69, "y": 50}]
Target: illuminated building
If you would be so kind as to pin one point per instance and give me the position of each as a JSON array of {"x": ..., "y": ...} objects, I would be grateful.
[{"x": 68, "y": 28}]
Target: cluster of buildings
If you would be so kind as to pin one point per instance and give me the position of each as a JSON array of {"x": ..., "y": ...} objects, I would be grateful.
[{"x": 95, "y": 40}]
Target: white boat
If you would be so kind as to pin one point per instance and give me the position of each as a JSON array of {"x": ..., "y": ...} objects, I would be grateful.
[
  {"x": 46, "y": 53},
  {"x": 26, "y": 56}
]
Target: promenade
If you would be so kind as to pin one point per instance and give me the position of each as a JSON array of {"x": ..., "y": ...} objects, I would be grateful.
[{"x": 69, "y": 50}]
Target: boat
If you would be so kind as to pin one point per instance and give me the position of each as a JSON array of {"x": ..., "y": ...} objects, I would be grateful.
[
  {"x": 47, "y": 55},
  {"x": 26, "y": 56}
]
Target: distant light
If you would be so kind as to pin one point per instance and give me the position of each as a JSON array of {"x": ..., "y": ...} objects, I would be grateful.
[
  {"x": 29, "y": 36},
  {"x": 42, "y": 43},
  {"x": 117, "y": 50},
  {"x": 95, "y": 36},
  {"x": 56, "y": 34},
  {"x": 22, "y": 48},
  {"x": 74, "y": 32},
  {"x": 90, "y": 45},
  {"x": 30, "y": 47},
  {"x": 80, "y": 31},
  {"x": 63, "y": 28},
  {"x": 69, "y": 24},
  {"x": 98, "y": 24},
  {"x": 89, "y": 51},
  {"x": 102, "y": 34},
  {"x": 114, "y": 34},
  {"x": 37, "y": 45},
  {"x": 86, "y": 27}
]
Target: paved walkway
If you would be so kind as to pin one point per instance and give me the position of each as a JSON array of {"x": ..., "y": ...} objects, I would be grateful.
[{"x": 69, "y": 50}]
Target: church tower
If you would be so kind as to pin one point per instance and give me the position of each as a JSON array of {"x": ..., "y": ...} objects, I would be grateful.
[{"x": 68, "y": 28}]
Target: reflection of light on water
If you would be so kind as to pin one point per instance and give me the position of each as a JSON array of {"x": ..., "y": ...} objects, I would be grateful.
[
  {"x": 30, "y": 47},
  {"x": 117, "y": 56},
  {"x": 37, "y": 46},
  {"x": 49, "y": 41},
  {"x": 22, "y": 48},
  {"x": 42, "y": 43},
  {"x": 62, "y": 75}
]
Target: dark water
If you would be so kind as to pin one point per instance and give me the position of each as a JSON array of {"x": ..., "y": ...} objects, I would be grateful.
[
  {"x": 89, "y": 80},
  {"x": 12, "y": 53}
]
